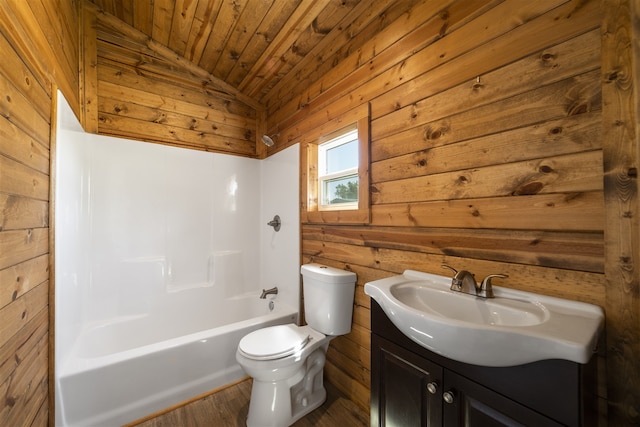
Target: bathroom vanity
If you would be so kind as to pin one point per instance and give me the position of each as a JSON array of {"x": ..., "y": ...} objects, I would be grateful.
[{"x": 412, "y": 386}]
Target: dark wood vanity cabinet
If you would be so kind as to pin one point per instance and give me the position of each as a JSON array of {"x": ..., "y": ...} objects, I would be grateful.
[
  {"x": 411, "y": 386},
  {"x": 400, "y": 396}
]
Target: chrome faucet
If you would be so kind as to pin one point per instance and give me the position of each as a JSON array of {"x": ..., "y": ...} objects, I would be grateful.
[
  {"x": 272, "y": 291},
  {"x": 465, "y": 282}
]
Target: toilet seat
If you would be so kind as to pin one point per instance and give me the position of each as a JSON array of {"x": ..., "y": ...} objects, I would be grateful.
[{"x": 274, "y": 342}]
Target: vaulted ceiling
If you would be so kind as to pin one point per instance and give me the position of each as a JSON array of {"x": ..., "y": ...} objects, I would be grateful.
[{"x": 253, "y": 45}]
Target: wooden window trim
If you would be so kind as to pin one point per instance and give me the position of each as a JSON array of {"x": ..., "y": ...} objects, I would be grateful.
[{"x": 309, "y": 189}]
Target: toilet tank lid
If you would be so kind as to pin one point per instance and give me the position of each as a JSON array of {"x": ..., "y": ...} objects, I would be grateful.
[{"x": 327, "y": 274}]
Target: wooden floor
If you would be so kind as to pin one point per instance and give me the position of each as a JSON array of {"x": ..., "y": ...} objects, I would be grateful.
[{"x": 229, "y": 408}]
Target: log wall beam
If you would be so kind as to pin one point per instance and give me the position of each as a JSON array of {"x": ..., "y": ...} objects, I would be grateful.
[{"x": 621, "y": 152}]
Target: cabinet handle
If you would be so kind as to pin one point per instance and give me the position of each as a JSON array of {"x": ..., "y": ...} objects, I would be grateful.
[
  {"x": 432, "y": 387},
  {"x": 448, "y": 396}
]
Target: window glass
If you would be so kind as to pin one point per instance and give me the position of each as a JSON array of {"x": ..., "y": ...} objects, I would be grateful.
[
  {"x": 340, "y": 190},
  {"x": 344, "y": 155},
  {"x": 338, "y": 171}
]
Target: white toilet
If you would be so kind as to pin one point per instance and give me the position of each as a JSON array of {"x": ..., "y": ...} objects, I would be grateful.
[{"x": 286, "y": 361}]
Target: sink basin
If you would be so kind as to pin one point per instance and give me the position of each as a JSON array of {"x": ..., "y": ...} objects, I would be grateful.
[
  {"x": 513, "y": 328},
  {"x": 466, "y": 308}
]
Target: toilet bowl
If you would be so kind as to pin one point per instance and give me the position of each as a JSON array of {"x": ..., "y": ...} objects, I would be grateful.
[{"x": 286, "y": 361}]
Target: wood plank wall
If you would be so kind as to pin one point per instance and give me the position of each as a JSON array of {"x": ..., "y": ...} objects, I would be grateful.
[
  {"x": 147, "y": 95},
  {"x": 486, "y": 148},
  {"x": 621, "y": 148},
  {"x": 486, "y": 152},
  {"x": 39, "y": 45}
]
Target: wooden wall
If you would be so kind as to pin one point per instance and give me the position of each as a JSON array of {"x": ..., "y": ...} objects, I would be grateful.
[
  {"x": 486, "y": 154},
  {"x": 39, "y": 45},
  {"x": 144, "y": 91},
  {"x": 504, "y": 139}
]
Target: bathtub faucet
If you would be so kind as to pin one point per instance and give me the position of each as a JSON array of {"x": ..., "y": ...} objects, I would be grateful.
[{"x": 272, "y": 291}]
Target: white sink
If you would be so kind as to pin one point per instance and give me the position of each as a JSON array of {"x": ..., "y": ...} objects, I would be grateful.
[{"x": 513, "y": 328}]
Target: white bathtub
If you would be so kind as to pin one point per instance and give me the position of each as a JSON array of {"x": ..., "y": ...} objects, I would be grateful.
[{"x": 129, "y": 367}]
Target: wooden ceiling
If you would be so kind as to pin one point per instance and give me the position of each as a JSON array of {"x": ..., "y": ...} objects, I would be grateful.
[{"x": 253, "y": 45}]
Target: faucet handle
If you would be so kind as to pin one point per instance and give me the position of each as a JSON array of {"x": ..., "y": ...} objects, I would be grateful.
[
  {"x": 486, "y": 284},
  {"x": 456, "y": 283},
  {"x": 450, "y": 268}
]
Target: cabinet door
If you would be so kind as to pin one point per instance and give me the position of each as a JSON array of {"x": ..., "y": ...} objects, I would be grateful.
[
  {"x": 467, "y": 403},
  {"x": 406, "y": 389}
]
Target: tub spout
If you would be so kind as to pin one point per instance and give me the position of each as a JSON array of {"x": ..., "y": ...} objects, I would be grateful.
[{"x": 272, "y": 291}]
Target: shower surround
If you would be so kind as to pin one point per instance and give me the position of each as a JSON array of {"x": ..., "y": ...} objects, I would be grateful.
[{"x": 157, "y": 235}]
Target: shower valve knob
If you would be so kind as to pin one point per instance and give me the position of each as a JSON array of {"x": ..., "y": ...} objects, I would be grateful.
[{"x": 275, "y": 223}]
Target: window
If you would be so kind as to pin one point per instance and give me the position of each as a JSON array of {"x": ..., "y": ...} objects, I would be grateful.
[
  {"x": 336, "y": 164},
  {"x": 338, "y": 170}
]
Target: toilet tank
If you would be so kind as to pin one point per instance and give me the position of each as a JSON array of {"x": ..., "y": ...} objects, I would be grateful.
[{"x": 328, "y": 298}]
